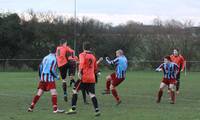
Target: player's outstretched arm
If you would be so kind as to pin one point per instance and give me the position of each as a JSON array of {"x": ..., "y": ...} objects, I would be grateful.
[
  {"x": 159, "y": 68},
  {"x": 99, "y": 60}
]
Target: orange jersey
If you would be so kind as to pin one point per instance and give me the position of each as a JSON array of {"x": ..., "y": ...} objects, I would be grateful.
[
  {"x": 88, "y": 67},
  {"x": 179, "y": 60},
  {"x": 61, "y": 53}
]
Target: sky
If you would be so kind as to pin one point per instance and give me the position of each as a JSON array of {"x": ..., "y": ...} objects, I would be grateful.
[{"x": 113, "y": 11}]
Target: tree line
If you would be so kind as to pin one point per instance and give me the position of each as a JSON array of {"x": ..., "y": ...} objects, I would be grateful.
[{"x": 22, "y": 38}]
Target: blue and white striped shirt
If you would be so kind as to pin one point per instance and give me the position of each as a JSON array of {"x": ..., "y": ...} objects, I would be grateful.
[
  {"x": 121, "y": 64},
  {"x": 170, "y": 70},
  {"x": 47, "y": 68}
]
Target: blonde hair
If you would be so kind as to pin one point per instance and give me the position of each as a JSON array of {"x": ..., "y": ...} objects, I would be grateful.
[{"x": 120, "y": 51}]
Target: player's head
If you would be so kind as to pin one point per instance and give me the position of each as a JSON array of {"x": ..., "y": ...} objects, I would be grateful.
[
  {"x": 87, "y": 46},
  {"x": 167, "y": 59},
  {"x": 119, "y": 53},
  {"x": 63, "y": 42},
  {"x": 176, "y": 52},
  {"x": 51, "y": 48}
]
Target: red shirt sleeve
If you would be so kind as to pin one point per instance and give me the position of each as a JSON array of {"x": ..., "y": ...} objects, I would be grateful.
[
  {"x": 95, "y": 66},
  {"x": 81, "y": 61},
  {"x": 70, "y": 50},
  {"x": 183, "y": 61}
]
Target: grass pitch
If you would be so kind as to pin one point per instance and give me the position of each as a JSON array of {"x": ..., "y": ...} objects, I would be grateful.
[{"x": 138, "y": 94}]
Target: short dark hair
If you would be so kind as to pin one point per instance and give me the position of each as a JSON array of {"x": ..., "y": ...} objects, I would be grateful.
[
  {"x": 87, "y": 46},
  {"x": 52, "y": 48},
  {"x": 176, "y": 49},
  {"x": 168, "y": 57},
  {"x": 62, "y": 41}
]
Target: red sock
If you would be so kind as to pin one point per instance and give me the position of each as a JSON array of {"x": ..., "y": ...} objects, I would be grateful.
[
  {"x": 108, "y": 82},
  {"x": 160, "y": 93},
  {"x": 54, "y": 102},
  {"x": 173, "y": 96},
  {"x": 114, "y": 93},
  {"x": 35, "y": 99}
]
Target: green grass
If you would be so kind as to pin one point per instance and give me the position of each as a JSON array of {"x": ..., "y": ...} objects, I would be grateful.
[{"x": 138, "y": 94}]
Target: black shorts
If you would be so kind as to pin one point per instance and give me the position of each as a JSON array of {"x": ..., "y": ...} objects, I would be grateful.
[
  {"x": 63, "y": 70},
  {"x": 72, "y": 68},
  {"x": 89, "y": 87}
]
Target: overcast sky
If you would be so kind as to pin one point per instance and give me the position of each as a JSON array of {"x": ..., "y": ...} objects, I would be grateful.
[{"x": 113, "y": 11}]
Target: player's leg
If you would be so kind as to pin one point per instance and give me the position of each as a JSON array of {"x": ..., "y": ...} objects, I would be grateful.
[
  {"x": 169, "y": 92},
  {"x": 160, "y": 92},
  {"x": 74, "y": 98},
  {"x": 64, "y": 86},
  {"x": 172, "y": 92},
  {"x": 115, "y": 94},
  {"x": 91, "y": 90},
  {"x": 84, "y": 96},
  {"x": 82, "y": 91},
  {"x": 35, "y": 99},
  {"x": 72, "y": 71},
  {"x": 54, "y": 101},
  {"x": 72, "y": 81},
  {"x": 108, "y": 83},
  {"x": 114, "y": 83},
  {"x": 178, "y": 83},
  {"x": 63, "y": 73}
]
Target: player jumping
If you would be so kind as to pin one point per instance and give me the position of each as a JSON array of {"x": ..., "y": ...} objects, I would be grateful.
[
  {"x": 61, "y": 55},
  {"x": 118, "y": 76}
]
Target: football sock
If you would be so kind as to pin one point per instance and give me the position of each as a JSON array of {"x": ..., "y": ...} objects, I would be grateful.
[
  {"x": 160, "y": 93},
  {"x": 108, "y": 82},
  {"x": 177, "y": 85},
  {"x": 54, "y": 102},
  {"x": 173, "y": 96},
  {"x": 64, "y": 86},
  {"x": 74, "y": 100},
  {"x": 84, "y": 95},
  {"x": 95, "y": 103},
  {"x": 35, "y": 99},
  {"x": 114, "y": 93}
]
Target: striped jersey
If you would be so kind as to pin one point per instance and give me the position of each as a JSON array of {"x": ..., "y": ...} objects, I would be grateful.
[
  {"x": 47, "y": 68},
  {"x": 170, "y": 70},
  {"x": 121, "y": 65}
]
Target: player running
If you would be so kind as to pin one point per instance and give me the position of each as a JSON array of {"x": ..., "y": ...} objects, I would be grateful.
[
  {"x": 62, "y": 52},
  {"x": 170, "y": 71},
  {"x": 180, "y": 61},
  {"x": 47, "y": 73},
  {"x": 87, "y": 68},
  {"x": 116, "y": 78}
]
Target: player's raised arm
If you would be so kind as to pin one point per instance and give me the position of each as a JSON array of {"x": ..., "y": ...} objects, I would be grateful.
[
  {"x": 99, "y": 60},
  {"x": 159, "y": 68},
  {"x": 111, "y": 62}
]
